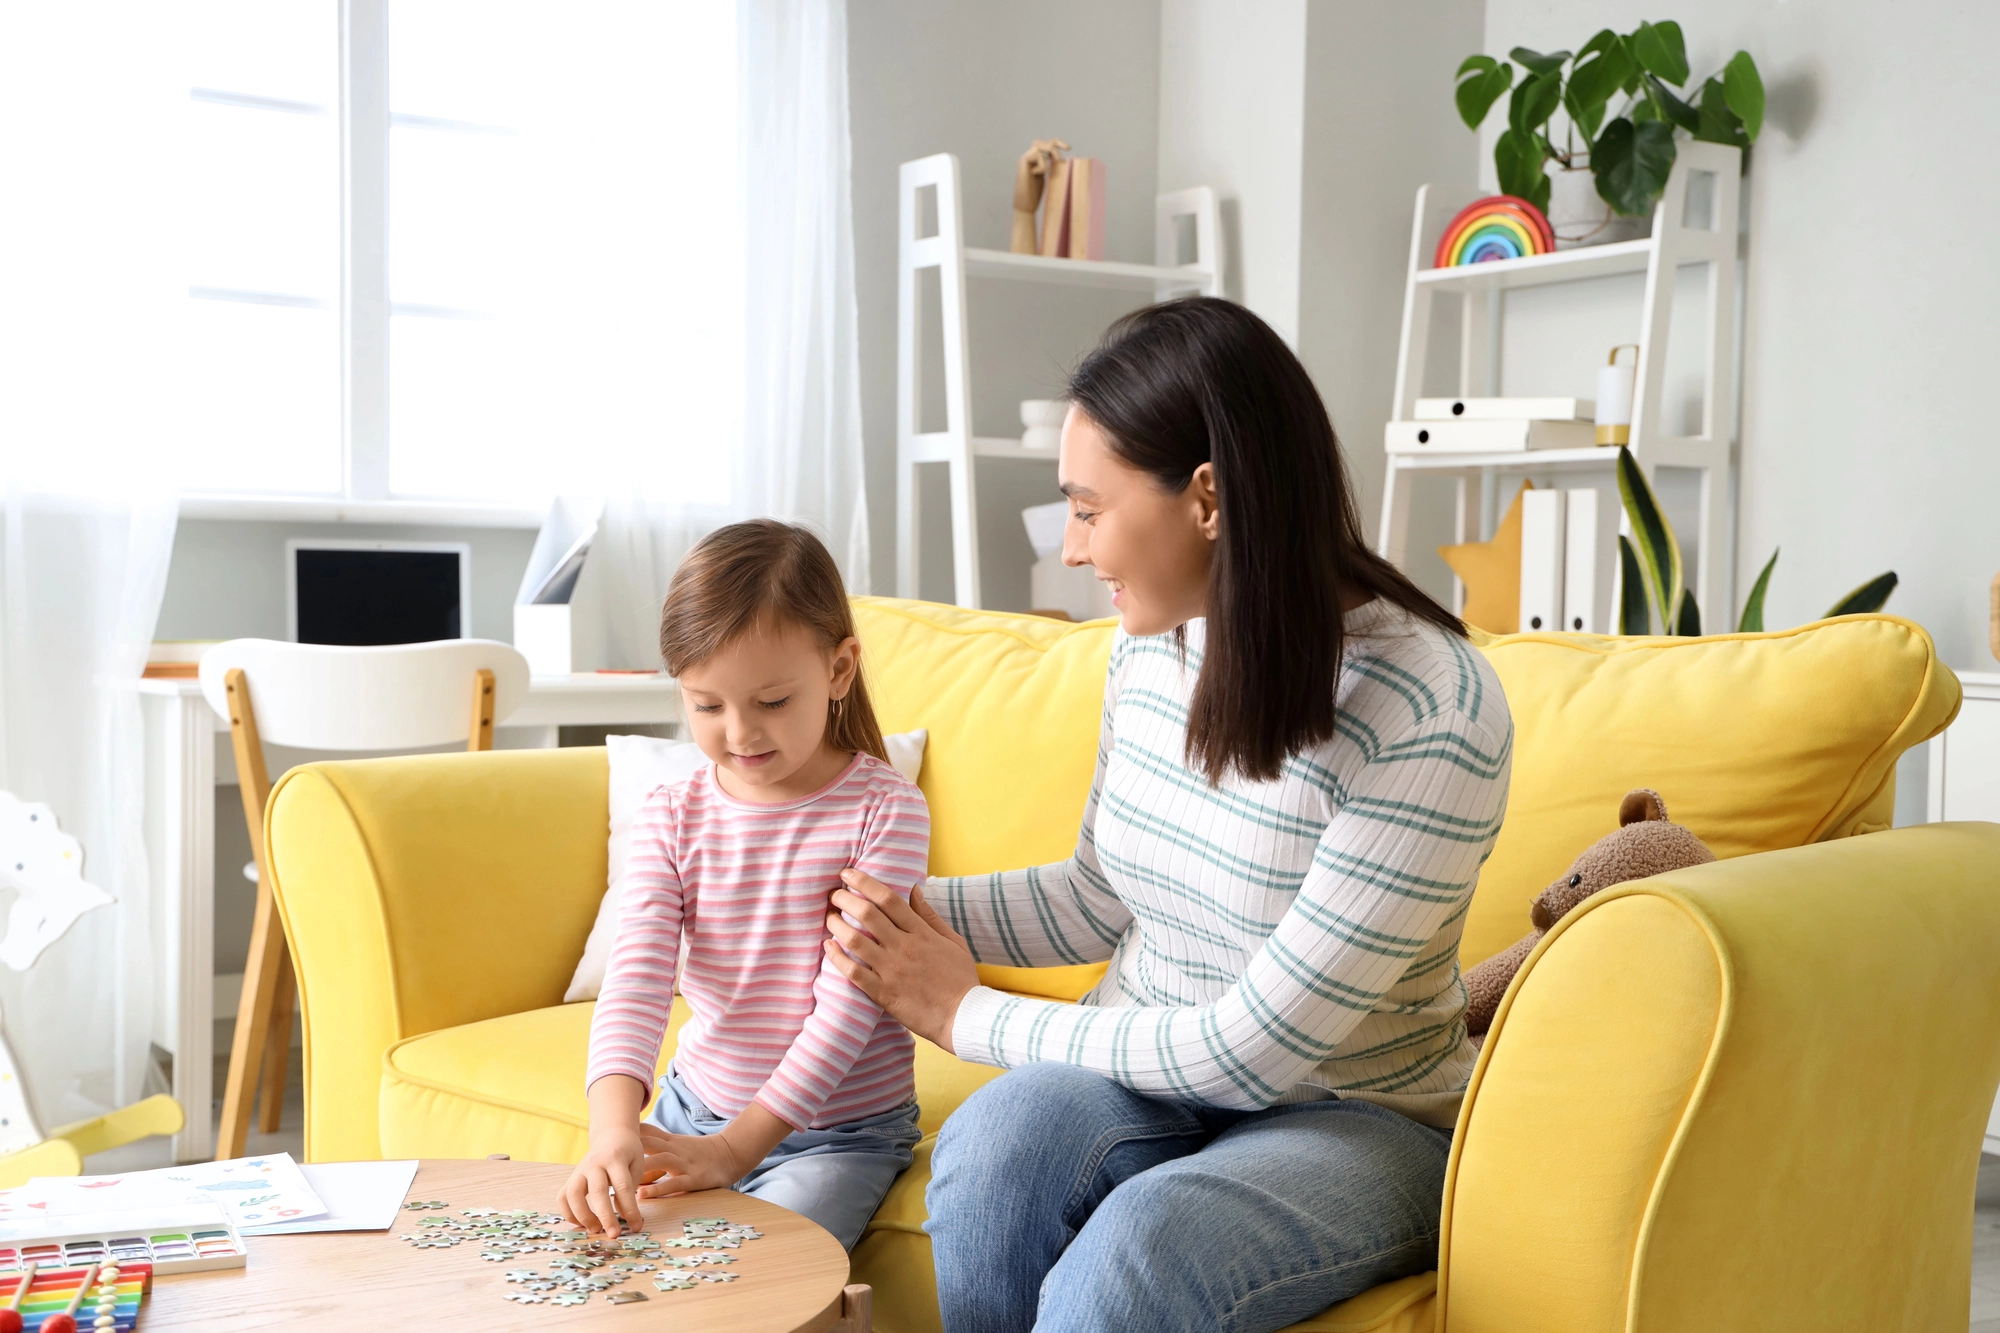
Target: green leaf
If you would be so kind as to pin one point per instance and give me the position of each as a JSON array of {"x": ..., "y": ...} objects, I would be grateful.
[
  {"x": 1677, "y": 111},
  {"x": 1744, "y": 87},
  {"x": 1868, "y": 597},
  {"x": 1718, "y": 124},
  {"x": 1476, "y": 94},
  {"x": 1752, "y": 619},
  {"x": 1634, "y": 616},
  {"x": 1538, "y": 63},
  {"x": 1659, "y": 549},
  {"x": 1660, "y": 49},
  {"x": 1518, "y": 159},
  {"x": 1590, "y": 87},
  {"x": 1690, "y": 622},
  {"x": 1534, "y": 102},
  {"x": 1605, "y": 40},
  {"x": 1632, "y": 163}
]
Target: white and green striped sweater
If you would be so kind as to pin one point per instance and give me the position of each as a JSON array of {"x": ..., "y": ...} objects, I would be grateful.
[{"x": 1269, "y": 941}]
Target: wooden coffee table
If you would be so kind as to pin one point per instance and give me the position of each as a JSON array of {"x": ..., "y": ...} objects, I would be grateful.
[{"x": 794, "y": 1280}]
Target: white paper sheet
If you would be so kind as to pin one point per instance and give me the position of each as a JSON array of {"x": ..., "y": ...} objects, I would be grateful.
[
  {"x": 359, "y": 1196},
  {"x": 252, "y": 1190}
]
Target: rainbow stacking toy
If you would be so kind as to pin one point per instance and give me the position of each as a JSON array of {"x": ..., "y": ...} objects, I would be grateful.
[{"x": 1500, "y": 226}]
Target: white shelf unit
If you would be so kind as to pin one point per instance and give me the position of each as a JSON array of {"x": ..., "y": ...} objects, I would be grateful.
[
  {"x": 1676, "y": 240},
  {"x": 955, "y": 445}
]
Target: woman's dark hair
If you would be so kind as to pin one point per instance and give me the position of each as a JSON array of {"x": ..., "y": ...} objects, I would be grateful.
[
  {"x": 761, "y": 570},
  {"x": 1202, "y": 380}
]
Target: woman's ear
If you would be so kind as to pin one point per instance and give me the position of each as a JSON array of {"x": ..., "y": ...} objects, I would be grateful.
[
  {"x": 1208, "y": 508},
  {"x": 843, "y": 664}
]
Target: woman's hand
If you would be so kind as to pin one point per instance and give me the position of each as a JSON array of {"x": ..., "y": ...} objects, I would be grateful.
[{"x": 903, "y": 957}]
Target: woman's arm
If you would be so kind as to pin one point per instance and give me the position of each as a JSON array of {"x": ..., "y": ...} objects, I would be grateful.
[
  {"x": 1049, "y": 915},
  {"x": 1394, "y": 866}
]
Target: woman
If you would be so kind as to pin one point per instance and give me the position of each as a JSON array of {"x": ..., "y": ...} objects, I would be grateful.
[{"x": 1302, "y": 766}]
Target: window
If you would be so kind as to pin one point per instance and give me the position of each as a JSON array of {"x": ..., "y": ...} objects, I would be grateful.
[{"x": 463, "y": 249}]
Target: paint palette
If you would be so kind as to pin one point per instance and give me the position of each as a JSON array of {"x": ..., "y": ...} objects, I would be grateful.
[
  {"x": 191, "y": 1238},
  {"x": 52, "y": 1290}
]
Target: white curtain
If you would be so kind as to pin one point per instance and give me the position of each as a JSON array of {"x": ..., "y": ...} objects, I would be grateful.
[
  {"x": 90, "y": 108},
  {"x": 81, "y": 580},
  {"x": 799, "y": 454}
]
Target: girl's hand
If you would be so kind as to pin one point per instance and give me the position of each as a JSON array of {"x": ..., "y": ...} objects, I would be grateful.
[
  {"x": 683, "y": 1163},
  {"x": 904, "y": 957},
  {"x": 605, "y": 1184}
]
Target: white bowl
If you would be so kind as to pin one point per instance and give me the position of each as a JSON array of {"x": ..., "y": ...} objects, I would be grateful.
[{"x": 1043, "y": 412}]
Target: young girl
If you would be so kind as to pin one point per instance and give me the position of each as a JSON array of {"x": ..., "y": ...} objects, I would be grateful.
[{"x": 787, "y": 1082}]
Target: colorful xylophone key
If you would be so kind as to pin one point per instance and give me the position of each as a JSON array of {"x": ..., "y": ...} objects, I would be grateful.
[{"x": 108, "y": 1304}]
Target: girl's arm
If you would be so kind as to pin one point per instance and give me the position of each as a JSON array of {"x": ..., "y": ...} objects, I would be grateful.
[
  {"x": 1050, "y": 915},
  {"x": 629, "y": 1024},
  {"x": 1394, "y": 867},
  {"x": 894, "y": 849}
]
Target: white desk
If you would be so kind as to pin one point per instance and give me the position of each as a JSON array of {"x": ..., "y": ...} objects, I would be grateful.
[{"x": 188, "y": 755}]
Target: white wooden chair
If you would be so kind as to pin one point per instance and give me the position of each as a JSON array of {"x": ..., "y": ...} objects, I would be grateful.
[{"x": 323, "y": 697}]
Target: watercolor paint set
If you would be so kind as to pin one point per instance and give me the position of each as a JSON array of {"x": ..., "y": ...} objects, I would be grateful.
[{"x": 190, "y": 1238}]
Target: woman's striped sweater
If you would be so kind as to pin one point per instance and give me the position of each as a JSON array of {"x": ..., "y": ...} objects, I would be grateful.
[{"x": 1269, "y": 941}]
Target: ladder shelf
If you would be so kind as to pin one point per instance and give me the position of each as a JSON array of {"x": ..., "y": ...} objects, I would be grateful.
[
  {"x": 955, "y": 446},
  {"x": 1676, "y": 241}
]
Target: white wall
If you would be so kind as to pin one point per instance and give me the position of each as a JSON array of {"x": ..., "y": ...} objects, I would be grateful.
[
  {"x": 1378, "y": 122},
  {"x": 1870, "y": 313},
  {"x": 1232, "y": 116},
  {"x": 983, "y": 81}
]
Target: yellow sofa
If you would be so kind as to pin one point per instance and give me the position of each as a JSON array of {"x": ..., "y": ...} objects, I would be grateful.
[{"x": 1745, "y": 1095}]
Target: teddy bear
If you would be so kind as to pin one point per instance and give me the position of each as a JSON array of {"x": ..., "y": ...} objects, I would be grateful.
[{"x": 1646, "y": 843}]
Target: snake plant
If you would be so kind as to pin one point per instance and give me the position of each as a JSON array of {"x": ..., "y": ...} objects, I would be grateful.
[{"x": 1652, "y": 579}]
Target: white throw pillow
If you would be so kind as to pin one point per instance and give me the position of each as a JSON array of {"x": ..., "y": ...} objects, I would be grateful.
[{"x": 639, "y": 764}]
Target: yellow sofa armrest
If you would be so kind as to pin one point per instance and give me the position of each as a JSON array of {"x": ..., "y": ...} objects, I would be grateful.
[
  {"x": 424, "y": 892},
  {"x": 1746, "y": 1095}
]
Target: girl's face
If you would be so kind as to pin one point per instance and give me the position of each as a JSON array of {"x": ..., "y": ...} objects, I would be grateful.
[
  {"x": 1154, "y": 547},
  {"x": 758, "y": 708}
]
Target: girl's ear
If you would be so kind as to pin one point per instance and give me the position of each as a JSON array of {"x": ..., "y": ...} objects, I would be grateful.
[{"x": 843, "y": 664}]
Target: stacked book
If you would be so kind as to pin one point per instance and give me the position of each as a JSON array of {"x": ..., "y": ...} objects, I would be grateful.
[{"x": 1494, "y": 426}]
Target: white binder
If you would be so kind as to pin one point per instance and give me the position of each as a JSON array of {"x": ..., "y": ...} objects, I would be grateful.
[
  {"x": 1542, "y": 537},
  {"x": 1590, "y": 562}
]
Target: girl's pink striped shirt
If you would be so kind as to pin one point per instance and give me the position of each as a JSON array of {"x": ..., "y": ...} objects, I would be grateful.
[{"x": 748, "y": 884}]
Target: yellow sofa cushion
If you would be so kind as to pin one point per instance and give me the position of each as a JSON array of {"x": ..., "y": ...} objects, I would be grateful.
[
  {"x": 516, "y": 1083},
  {"x": 1012, "y": 704},
  {"x": 1757, "y": 742}
]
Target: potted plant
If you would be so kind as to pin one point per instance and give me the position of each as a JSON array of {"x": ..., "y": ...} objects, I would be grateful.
[{"x": 1609, "y": 172}]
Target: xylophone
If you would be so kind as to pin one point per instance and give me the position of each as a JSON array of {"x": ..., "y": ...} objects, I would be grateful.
[{"x": 102, "y": 1298}]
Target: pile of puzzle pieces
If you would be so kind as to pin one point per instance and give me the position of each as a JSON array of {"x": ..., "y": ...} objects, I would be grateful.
[{"x": 581, "y": 1266}]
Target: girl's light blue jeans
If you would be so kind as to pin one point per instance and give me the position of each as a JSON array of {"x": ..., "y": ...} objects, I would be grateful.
[
  {"x": 1060, "y": 1200},
  {"x": 835, "y": 1176}
]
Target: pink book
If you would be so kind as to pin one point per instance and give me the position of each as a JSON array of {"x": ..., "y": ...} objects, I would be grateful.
[{"x": 1086, "y": 208}]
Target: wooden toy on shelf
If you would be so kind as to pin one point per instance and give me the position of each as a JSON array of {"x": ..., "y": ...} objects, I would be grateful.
[{"x": 1031, "y": 178}]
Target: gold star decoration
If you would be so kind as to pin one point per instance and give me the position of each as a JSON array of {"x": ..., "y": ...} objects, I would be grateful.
[{"x": 1491, "y": 573}]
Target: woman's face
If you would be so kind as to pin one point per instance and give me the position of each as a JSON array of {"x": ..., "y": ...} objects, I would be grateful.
[{"x": 1154, "y": 547}]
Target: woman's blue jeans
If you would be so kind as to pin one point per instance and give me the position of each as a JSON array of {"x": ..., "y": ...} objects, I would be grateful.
[{"x": 1060, "y": 1200}]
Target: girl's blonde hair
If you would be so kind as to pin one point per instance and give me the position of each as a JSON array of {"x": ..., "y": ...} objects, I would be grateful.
[{"x": 739, "y": 574}]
